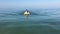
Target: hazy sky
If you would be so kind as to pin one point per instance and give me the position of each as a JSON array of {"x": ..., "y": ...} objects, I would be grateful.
[{"x": 30, "y": 3}]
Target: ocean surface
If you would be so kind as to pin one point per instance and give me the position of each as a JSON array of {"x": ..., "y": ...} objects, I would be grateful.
[{"x": 40, "y": 21}]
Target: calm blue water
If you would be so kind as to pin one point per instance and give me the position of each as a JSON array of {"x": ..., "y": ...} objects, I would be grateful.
[{"x": 41, "y": 21}]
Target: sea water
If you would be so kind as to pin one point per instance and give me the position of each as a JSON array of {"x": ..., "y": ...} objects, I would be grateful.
[{"x": 40, "y": 21}]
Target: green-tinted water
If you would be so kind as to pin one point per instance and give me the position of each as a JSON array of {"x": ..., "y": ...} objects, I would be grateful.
[{"x": 41, "y": 22}]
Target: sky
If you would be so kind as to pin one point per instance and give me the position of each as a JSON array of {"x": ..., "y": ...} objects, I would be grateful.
[{"x": 30, "y": 3}]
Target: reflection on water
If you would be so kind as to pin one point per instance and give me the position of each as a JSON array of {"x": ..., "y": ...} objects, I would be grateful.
[{"x": 41, "y": 21}]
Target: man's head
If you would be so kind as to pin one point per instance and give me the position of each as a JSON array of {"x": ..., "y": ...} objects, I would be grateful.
[{"x": 27, "y": 10}]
